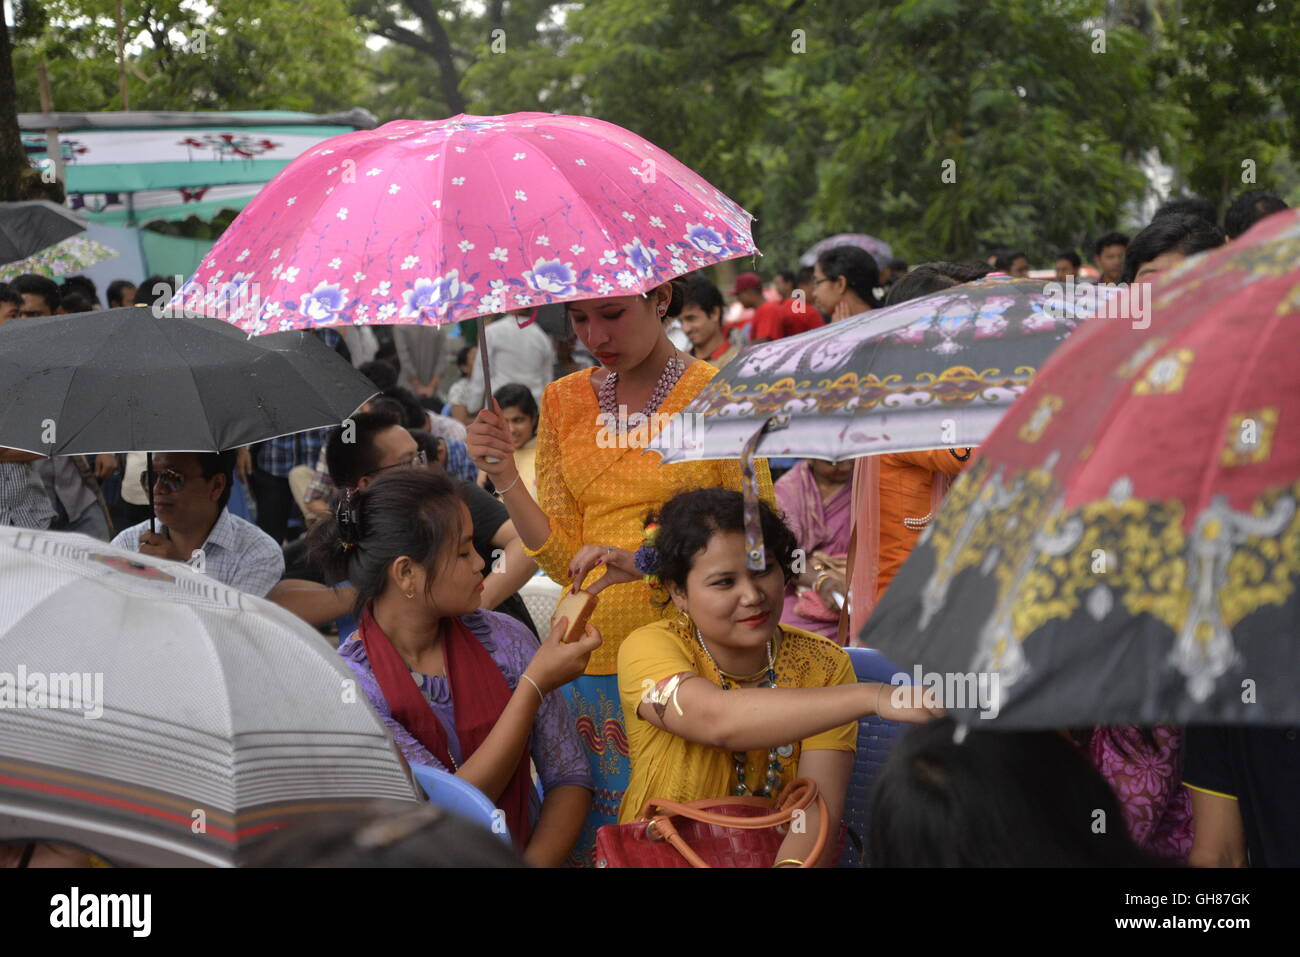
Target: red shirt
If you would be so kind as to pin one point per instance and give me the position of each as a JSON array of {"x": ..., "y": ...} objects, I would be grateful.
[{"x": 777, "y": 320}]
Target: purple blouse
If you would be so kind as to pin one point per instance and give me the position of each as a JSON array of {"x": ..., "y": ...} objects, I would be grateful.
[
  {"x": 1149, "y": 785},
  {"x": 554, "y": 744}
]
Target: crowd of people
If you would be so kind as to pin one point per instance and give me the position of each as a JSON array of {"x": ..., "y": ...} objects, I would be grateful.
[{"x": 408, "y": 543}]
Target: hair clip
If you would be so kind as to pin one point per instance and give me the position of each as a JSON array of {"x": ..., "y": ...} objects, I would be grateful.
[{"x": 646, "y": 558}]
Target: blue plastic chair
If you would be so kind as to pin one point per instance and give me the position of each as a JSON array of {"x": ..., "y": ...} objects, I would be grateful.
[
  {"x": 876, "y": 738},
  {"x": 459, "y": 797}
]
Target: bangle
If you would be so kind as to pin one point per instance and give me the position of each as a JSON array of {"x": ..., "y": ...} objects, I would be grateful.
[
  {"x": 789, "y": 860},
  {"x": 817, "y": 582},
  {"x": 536, "y": 686},
  {"x": 502, "y": 492},
  {"x": 878, "y": 690}
]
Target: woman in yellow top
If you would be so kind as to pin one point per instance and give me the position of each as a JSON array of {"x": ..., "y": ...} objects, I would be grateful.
[
  {"x": 519, "y": 410},
  {"x": 776, "y": 702},
  {"x": 595, "y": 485}
]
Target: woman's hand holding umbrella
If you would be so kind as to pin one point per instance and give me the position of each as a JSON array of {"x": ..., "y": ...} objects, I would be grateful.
[{"x": 491, "y": 448}]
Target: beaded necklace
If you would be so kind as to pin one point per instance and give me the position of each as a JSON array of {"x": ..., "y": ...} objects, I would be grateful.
[
  {"x": 740, "y": 758},
  {"x": 673, "y": 370}
]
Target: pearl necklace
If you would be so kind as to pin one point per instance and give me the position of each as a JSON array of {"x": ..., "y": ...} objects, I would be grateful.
[
  {"x": 740, "y": 758},
  {"x": 673, "y": 370}
]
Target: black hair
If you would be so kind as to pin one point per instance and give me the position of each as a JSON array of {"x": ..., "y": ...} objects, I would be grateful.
[
  {"x": 462, "y": 357},
  {"x": 213, "y": 464},
  {"x": 150, "y": 297},
  {"x": 806, "y": 275},
  {"x": 30, "y": 284},
  {"x": 10, "y": 295},
  {"x": 74, "y": 302},
  {"x": 429, "y": 444},
  {"x": 788, "y": 275},
  {"x": 414, "y": 415},
  {"x": 1005, "y": 259},
  {"x": 1177, "y": 232},
  {"x": 1189, "y": 206},
  {"x": 700, "y": 291},
  {"x": 1071, "y": 256},
  {"x": 83, "y": 285},
  {"x": 519, "y": 396},
  {"x": 405, "y": 512},
  {"x": 996, "y": 799},
  {"x": 688, "y": 520},
  {"x": 858, "y": 268},
  {"x": 381, "y": 373},
  {"x": 347, "y": 462},
  {"x": 115, "y": 290},
  {"x": 1108, "y": 239},
  {"x": 1249, "y": 208},
  {"x": 921, "y": 281},
  {"x": 390, "y": 407},
  {"x": 383, "y": 833}
]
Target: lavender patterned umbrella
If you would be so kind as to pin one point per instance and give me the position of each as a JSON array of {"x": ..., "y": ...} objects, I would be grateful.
[{"x": 879, "y": 249}]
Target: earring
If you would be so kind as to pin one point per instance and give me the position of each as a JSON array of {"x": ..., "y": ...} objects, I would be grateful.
[{"x": 410, "y": 594}]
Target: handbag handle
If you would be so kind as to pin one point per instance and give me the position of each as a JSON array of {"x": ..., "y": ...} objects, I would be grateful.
[{"x": 798, "y": 795}]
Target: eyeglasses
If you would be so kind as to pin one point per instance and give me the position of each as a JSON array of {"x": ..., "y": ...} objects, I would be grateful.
[
  {"x": 818, "y": 282},
  {"x": 169, "y": 480},
  {"x": 419, "y": 460}
]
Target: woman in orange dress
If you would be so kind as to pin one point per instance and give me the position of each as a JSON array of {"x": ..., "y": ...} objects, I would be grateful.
[{"x": 595, "y": 485}]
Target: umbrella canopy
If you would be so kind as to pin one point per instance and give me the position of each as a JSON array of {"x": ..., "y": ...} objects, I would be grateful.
[
  {"x": 64, "y": 257},
  {"x": 127, "y": 380},
  {"x": 1126, "y": 547},
  {"x": 420, "y": 222},
  {"x": 157, "y": 717},
  {"x": 28, "y": 227},
  {"x": 879, "y": 249},
  {"x": 933, "y": 372}
]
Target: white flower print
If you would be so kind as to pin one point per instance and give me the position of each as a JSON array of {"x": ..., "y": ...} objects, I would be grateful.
[
  {"x": 275, "y": 273},
  {"x": 581, "y": 162},
  {"x": 458, "y": 181},
  {"x": 330, "y": 190},
  {"x": 499, "y": 254},
  {"x": 610, "y": 258},
  {"x": 626, "y": 279},
  {"x": 410, "y": 262},
  {"x": 358, "y": 276},
  {"x": 374, "y": 171},
  {"x": 342, "y": 213},
  {"x": 543, "y": 240},
  {"x": 603, "y": 286},
  {"x": 331, "y": 171},
  {"x": 275, "y": 253},
  {"x": 460, "y": 149},
  {"x": 498, "y": 285},
  {"x": 709, "y": 215},
  {"x": 393, "y": 189},
  {"x": 679, "y": 265},
  {"x": 524, "y": 300},
  {"x": 519, "y": 156},
  {"x": 335, "y": 263},
  {"x": 431, "y": 157},
  {"x": 656, "y": 221},
  {"x": 291, "y": 200},
  {"x": 465, "y": 245},
  {"x": 575, "y": 249},
  {"x": 521, "y": 196},
  {"x": 437, "y": 204},
  {"x": 386, "y": 310},
  {"x": 629, "y": 216},
  {"x": 381, "y": 289},
  {"x": 678, "y": 208},
  {"x": 242, "y": 256},
  {"x": 290, "y": 274}
]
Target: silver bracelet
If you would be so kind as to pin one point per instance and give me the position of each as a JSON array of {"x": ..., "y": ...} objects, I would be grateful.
[
  {"x": 536, "y": 686},
  {"x": 503, "y": 491}
]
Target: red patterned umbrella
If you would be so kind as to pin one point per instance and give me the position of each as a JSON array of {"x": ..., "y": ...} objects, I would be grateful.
[{"x": 1126, "y": 547}]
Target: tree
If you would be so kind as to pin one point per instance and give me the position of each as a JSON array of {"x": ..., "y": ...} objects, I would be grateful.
[{"x": 13, "y": 159}]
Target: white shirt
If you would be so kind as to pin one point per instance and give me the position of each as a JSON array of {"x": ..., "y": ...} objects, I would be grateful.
[
  {"x": 525, "y": 356},
  {"x": 237, "y": 553}
]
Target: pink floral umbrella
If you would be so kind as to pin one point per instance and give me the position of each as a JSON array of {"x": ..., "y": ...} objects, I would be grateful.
[{"x": 433, "y": 222}]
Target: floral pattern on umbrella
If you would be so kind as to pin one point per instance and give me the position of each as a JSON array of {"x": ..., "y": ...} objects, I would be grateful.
[{"x": 435, "y": 222}]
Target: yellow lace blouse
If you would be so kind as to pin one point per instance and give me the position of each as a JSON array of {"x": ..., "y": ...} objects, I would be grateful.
[
  {"x": 670, "y": 767},
  {"x": 600, "y": 496}
]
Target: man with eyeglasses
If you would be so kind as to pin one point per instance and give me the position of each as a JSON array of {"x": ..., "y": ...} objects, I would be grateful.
[{"x": 190, "y": 492}]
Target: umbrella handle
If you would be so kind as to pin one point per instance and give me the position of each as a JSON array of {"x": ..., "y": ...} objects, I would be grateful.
[
  {"x": 487, "y": 375},
  {"x": 148, "y": 471}
]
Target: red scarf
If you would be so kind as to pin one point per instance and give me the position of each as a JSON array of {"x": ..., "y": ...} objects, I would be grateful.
[{"x": 479, "y": 694}]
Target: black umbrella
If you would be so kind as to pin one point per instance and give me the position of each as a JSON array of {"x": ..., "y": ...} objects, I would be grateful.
[
  {"x": 126, "y": 380},
  {"x": 28, "y": 227}
]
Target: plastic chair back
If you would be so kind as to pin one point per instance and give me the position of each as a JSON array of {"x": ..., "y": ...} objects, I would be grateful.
[
  {"x": 460, "y": 798},
  {"x": 876, "y": 738}
]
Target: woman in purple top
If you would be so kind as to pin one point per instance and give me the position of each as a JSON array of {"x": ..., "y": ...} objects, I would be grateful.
[
  {"x": 1145, "y": 770},
  {"x": 461, "y": 689}
]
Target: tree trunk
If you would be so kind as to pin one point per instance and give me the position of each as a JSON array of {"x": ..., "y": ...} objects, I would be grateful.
[{"x": 13, "y": 159}]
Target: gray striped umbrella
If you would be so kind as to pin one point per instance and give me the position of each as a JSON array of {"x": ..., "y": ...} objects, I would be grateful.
[{"x": 154, "y": 716}]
